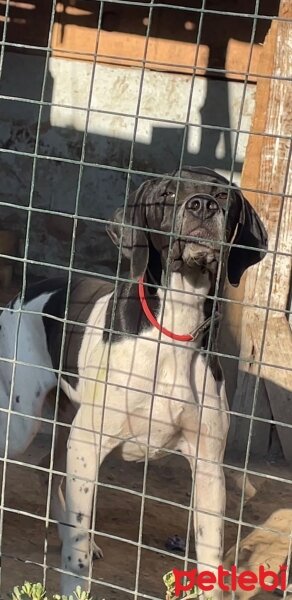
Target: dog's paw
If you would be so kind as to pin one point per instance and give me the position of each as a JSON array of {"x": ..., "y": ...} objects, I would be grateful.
[
  {"x": 175, "y": 543},
  {"x": 97, "y": 552}
]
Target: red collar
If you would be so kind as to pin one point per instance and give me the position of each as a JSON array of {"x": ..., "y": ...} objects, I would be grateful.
[{"x": 189, "y": 337}]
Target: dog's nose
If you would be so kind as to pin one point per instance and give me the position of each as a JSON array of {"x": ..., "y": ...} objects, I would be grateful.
[{"x": 203, "y": 206}]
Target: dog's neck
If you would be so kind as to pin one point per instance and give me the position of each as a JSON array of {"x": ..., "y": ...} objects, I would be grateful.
[{"x": 182, "y": 305}]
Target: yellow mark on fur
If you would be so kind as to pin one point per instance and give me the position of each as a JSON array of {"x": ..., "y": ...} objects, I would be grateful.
[{"x": 96, "y": 372}]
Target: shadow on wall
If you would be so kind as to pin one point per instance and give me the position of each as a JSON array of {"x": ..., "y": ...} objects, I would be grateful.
[{"x": 101, "y": 189}]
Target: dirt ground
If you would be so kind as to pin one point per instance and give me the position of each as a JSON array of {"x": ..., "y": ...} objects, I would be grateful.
[{"x": 26, "y": 540}]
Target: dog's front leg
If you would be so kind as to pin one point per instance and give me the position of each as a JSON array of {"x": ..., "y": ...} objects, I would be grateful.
[
  {"x": 205, "y": 450},
  {"x": 81, "y": 477},
  {"x": 91, "y": 439},
  {"x": 209, "y": 507},
  {"x": 208, "y": 503}
]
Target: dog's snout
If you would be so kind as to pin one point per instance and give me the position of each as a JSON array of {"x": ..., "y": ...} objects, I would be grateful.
[{"x": 203, "y": 206}]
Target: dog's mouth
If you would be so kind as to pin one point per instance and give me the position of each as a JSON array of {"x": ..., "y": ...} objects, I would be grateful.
[
  {"x": 196, "y": 246},
  {"x": 200, "y": 248},
  {"x": 202, "y": 256}
]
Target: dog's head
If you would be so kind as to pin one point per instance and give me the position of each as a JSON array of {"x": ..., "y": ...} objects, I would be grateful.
[{"x": 206, "y": 212}]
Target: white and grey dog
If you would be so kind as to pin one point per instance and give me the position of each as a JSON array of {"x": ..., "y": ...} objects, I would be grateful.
[{"x": 127, "y": 388}]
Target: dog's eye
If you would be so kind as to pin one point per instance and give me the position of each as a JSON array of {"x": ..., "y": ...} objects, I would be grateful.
[{"x": 221, "y": 196}]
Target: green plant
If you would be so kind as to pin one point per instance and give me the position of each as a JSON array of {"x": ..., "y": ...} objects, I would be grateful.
[
  {"x": 36, "y": 591},
  {"x": 169, "y": 581}
]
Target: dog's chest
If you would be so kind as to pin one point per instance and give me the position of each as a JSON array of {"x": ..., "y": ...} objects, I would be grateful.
[
  {"x": 150, "y": 385},
  {"x": 146, "y": 366},
  {"x": 143, "y": 384}
]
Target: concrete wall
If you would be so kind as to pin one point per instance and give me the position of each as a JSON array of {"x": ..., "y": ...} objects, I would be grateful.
[{"x": 157, "y": 147}]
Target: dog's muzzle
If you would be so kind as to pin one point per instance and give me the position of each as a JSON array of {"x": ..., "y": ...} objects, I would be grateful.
[
  {"x": 201, "y": 228},
  {"x": 202, "y": 225}
]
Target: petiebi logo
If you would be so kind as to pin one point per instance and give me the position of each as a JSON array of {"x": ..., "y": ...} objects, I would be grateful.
[{"x": 178, "y": 581}]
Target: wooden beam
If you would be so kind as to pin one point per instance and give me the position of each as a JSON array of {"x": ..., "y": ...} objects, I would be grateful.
[
  {"x": 267, "y": 168},
  {"x": 224, "y": 39},
  {"x": 115, "y": 48}
]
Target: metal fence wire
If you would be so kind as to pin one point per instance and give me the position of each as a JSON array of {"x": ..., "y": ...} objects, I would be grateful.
[{"x": 136, "y": 506}]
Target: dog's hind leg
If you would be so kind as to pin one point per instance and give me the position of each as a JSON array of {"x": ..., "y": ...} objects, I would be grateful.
[
  {"x": 25, "y": 384},
  {"x": 20, "y": 415}
]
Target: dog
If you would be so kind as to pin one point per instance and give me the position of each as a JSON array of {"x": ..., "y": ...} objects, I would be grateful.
[{"x": 138, "y": 358}]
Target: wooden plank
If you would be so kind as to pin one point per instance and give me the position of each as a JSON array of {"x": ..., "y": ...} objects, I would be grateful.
[
  {"x": 224, "y": 40},
  {"x": 280, "y": 400},
  {"x": 267, "y": 168},
  {"x": 8, "y": 245},
  {"x": 162, "y": 55},
  {"x": 278, "y": 382},
  {"x": 240, "y": 426}
]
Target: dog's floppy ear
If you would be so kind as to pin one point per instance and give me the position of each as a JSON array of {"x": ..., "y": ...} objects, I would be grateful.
[
  {"x": 250, "y": 233},
  {"x": 115, "y": 231},
  {"x": 135, "y": 245}
]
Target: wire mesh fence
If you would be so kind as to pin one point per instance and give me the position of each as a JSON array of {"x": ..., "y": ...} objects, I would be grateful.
[{"x": 76, "y": 139}]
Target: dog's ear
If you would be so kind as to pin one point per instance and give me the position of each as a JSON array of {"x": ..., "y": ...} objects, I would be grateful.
[
  {"x": 115, "y": 231},
  {"x": 251, "y": 234},
  {"x": 135, "y": 244}
]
